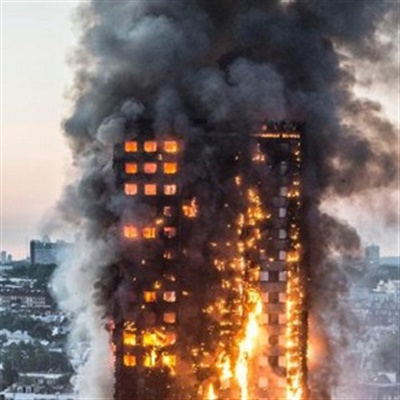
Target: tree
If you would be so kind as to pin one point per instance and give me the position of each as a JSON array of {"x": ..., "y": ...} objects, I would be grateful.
[{"x": 10, "y": 375}]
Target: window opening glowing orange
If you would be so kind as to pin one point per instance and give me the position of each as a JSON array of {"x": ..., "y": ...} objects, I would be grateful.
[
  {"x": 169, "y": 360},
  {"x": 170, "y": 338},
  {"x": 131, "y": 232},
  {"x": 150, "y": 189},
  {"x": 129, "y": 338},
  {"x": 170, "y": 168},
  {"x": 170, "y": 146},
  {"x": 150, "y": 297},
  {"x": 170, "y": 190},
  {"x": 169, "y": 297},
  {"x": 131, "y": 168},
  {"x": 150, "y": 168},
  {"x": 131, "y": 189},
  {"x": 149, "y": 233},
  {"x": 129, "y": 360},
  {"x": 169, "y": 318},
  {"x": 150, "y": 360},
  {"x": 150, "y": 146},
  {"x": 131, "y": 147}
]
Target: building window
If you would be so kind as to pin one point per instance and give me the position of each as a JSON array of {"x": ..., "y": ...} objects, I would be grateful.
[
  {"x": 131, "y": 232},
  {"x": 170, "y": 146},
  {"x": 150, "y": 189},
  {"x": 283, "y": 191},
  {"x": 131, "y": 168},
  {"x": 149, "y": 318},
  {"x": 273, "y": 340},
  {"x": 150, "y": 168},
  {"x": 190, "y": 208},
  {"x": 130, "y": 189},
  {"x": 168, "y": 211},
  {"x": 150, "y": 146},
  {"x": 170, "y": 168},
  {"x": 282, "y": 276},
  {"x": 282, "y": 212},
  {"x": 169, "y": 360},
  {"x": 131, "y": 147},
  {"x": 149, "y": 233},
  {"x": 282, "y": 255},
  {"x": 273, "y": 297},
  {"x": 264, "y": 275},
  {"x": 169, "y": 317},
  {"x": 262, "y": 382},
  {"x": 150, "y": 360},
  {"x": 283, "y": 167},
  {"x": 170, "y": 190},
  {"x": 282, "y": 234},
  {"x": 170, "y": 338},
  {"x": 273, "y": 319},
  {"x": 169, "y": 297},
  {"x": 282, "y": 297},
  {"x": 282, "y": 361},
  {"x": 264, "y": 296},
  {"x": 129, "y": 360},
  {"x": 282, "y": 319},
  {"x": 152, "y": 338},
  {"x": 149, "y": 297},
  {"x": 129, "y": 338},
  {"x": 169, "y": 232},
  {"x": 263, "y": 361}
]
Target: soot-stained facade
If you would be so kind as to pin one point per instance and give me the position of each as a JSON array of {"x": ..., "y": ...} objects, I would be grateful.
[{"x": 196, "y": 247}]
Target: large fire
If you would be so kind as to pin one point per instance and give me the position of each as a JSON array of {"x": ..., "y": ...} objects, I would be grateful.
[{"x": 260, "y": 301}]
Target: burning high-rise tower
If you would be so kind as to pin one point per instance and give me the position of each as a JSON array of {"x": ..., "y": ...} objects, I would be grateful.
[{"x": 252, "y": 306}]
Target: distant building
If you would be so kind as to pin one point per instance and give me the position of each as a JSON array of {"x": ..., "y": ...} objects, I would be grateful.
[
  {"x": 46, "y": 252},
  {"x": 372, "y": 256},
  {"x": 24, "y": 299},
  {"x": 28, "y": 393},
  {"x": 3, "y": 257}
]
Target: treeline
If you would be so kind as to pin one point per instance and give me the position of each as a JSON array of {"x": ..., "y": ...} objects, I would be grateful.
[
  {"x": 41, "y": 273},
  {"x": 34, "y": 357},
  {"x": 36, "y": 328}
]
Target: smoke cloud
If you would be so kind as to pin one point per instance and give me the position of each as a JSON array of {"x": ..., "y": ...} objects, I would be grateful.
[{"x": 232, "y": 63}]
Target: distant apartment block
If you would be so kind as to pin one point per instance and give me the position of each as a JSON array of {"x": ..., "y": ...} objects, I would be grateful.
[
  {"x": 46, "y": 252},
  {"x": 24, "y": 299},
  {"x": 372, "y": 256}
]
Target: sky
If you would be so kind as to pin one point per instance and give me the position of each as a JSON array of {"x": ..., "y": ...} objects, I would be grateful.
[{"x": 36, "y": 39}]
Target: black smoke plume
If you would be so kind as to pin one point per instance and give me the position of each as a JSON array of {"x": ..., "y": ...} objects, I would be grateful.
[{"x": 232, "y": 63}]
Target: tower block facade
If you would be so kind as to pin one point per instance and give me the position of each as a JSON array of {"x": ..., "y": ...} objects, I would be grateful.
[
  {"x": 144, "y": 334},
  {"x": 243, "y": 258},
  {"x": 282, "y": 279}
]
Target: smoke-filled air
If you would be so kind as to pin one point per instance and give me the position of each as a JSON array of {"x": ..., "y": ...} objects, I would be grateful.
[{"x": 246, "y": 117}]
